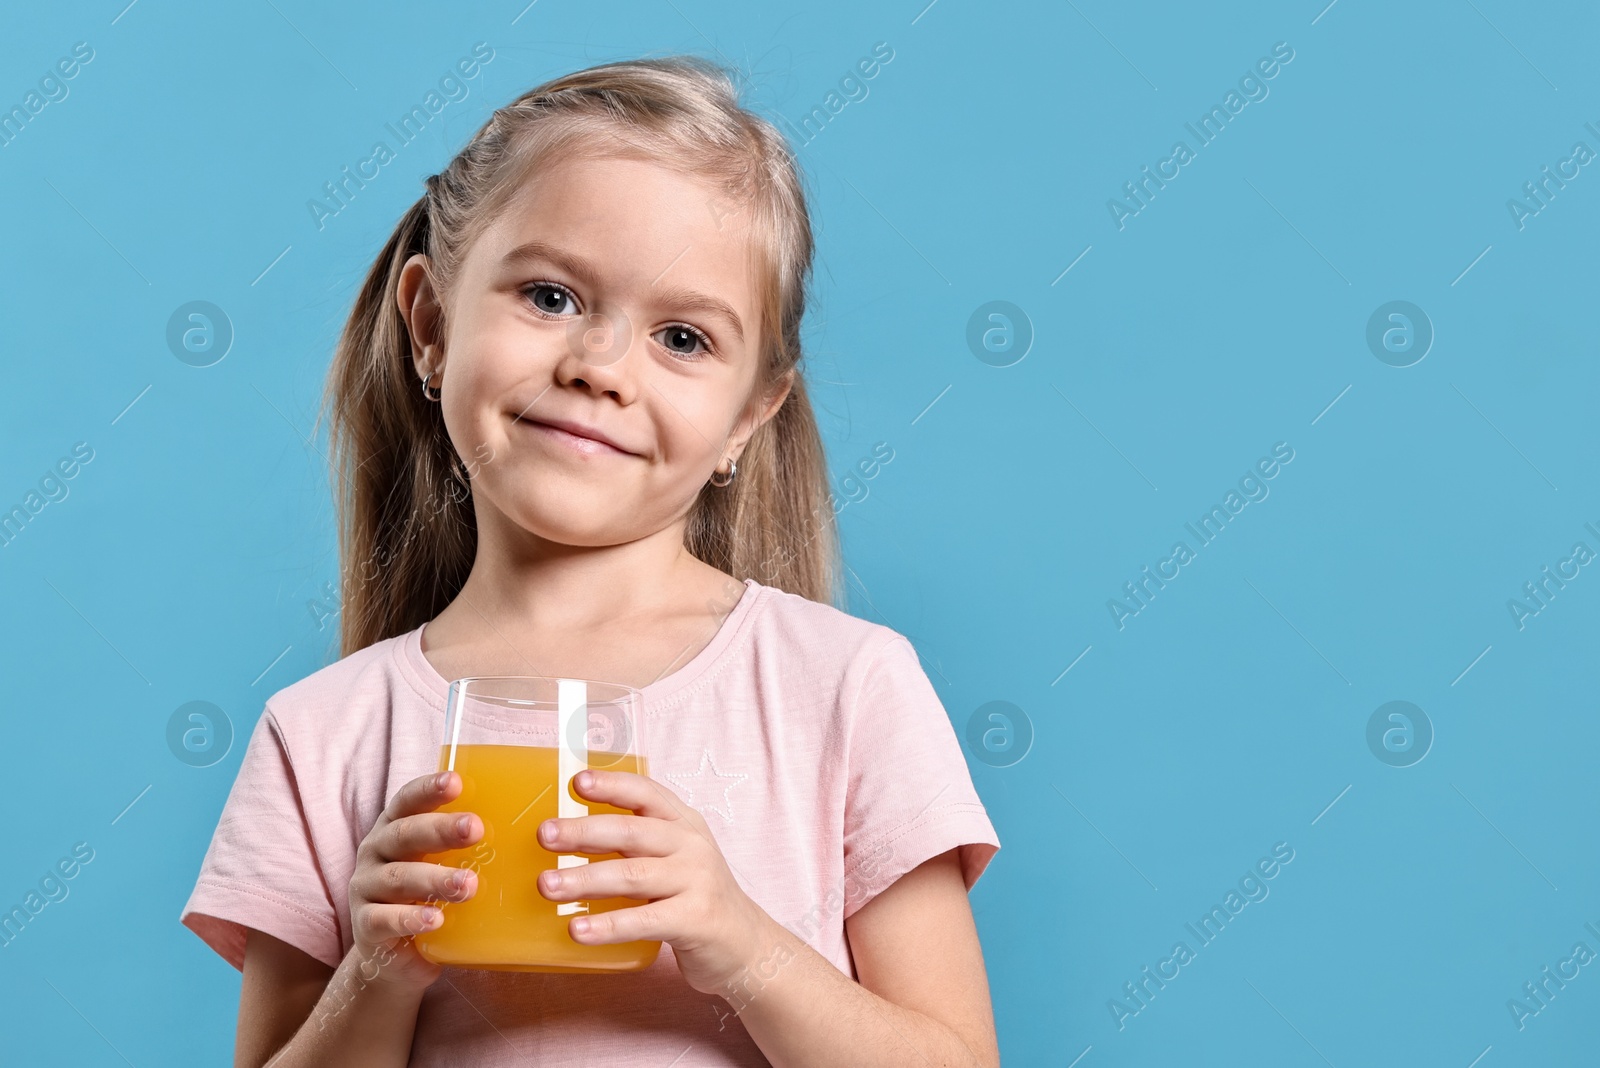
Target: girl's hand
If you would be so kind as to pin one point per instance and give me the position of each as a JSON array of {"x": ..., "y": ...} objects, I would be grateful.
[
  {"x": 670, "y": 860},
  {"x": 390, "y": 886}
]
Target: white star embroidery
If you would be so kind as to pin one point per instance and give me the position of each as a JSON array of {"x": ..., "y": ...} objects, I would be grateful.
[{"x": 708, "y": 790}]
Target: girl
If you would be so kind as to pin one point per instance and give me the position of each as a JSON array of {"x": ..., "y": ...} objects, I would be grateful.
[{"x": 572, "y": 439}]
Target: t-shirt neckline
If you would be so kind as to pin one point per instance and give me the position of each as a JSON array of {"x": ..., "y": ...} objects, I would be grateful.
[{"x": 427, "y": 680}]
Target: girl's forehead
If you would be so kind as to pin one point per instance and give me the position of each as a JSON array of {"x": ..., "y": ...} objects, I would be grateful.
[
  {"x": 628, "y": 212},
  {"x": 597, "y": 186},
  {"x": 597, "y": 176}
]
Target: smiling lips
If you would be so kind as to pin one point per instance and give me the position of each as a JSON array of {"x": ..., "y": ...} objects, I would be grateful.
[{"x": 574, "y": 435}]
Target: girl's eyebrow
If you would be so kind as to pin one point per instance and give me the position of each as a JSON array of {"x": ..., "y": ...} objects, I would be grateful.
[
  {"x": 689, "y": 300},
  {"x": 532, "y": 251}
]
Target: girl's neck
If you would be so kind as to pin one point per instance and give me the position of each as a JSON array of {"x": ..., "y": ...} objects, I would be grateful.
[{"x": 578, "y": 616}]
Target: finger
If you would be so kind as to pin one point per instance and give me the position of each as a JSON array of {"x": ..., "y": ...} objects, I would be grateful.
[
  {"x": 641, "y": 878},
  {"x": 622, "y": 925},
  {"x": 376, "y": 924},
  {"x": 416, "y": 836},
  {"x": 627, "y": 789},
  {"x": 423, "y": 794},
  {"x": 632, "y": 836},
  {"x": 643, "y": 795},
  {"x": 414, "y": 882}
]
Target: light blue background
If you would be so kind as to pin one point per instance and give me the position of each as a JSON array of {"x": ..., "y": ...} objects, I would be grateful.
[{"x": 1226, "y": 316}]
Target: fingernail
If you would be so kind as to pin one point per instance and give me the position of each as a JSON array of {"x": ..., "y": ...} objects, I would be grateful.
[
  {"x": 464, "y": 826},
  {"x": 552, "y": 880},
  {"x": 431, "y": 916},
  {"x": 584, "y": 780},
  {"x": 547, "y": 833},
  {"x": 580, "y": 925},
  {"x": 458, "y": 879},
  {"x": 441, "y": 781}
]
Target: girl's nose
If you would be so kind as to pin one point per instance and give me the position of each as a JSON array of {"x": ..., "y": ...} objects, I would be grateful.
[{"x": 598, "y": 349}]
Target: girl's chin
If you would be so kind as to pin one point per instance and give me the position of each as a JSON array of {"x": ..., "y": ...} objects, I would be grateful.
[{"x": 606, "y": 522}]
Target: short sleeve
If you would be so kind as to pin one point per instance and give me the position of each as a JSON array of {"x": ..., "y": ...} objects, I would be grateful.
[
  {"x": 909, "y": 795},
  {"x": 261, "y": 869}
]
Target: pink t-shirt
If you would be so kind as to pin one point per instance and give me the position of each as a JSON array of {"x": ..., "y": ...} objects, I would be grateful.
[{"x": 811, "y": 742}]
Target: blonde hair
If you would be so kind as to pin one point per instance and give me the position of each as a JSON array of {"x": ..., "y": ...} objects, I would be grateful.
[{"x": 407, "y": 531}]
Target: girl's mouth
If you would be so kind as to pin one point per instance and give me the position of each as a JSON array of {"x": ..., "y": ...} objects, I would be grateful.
[{"x": 569, "y": 440}]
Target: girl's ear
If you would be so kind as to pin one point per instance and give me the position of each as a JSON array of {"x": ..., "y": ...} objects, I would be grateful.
[
  {"x": 419, "y": 307},
  {"x": 778, "y": 394}
]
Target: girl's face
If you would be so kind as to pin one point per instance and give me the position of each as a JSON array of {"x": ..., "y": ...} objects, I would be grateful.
[{"x": 614, "y": 295}]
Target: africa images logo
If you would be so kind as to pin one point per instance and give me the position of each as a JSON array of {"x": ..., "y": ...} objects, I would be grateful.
[
  {"x": 1206, "y": 129},
  {"x": 1138, "y": 994},
  {"x": 1253, "y": 489},
  {"x": 452, "y": 89}
]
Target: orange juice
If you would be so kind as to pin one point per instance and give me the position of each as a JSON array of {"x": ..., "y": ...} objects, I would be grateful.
[{"x": 508, "y": 925}]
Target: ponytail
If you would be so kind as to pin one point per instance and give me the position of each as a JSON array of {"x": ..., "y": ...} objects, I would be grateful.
[{"x": 407, "y": 534}]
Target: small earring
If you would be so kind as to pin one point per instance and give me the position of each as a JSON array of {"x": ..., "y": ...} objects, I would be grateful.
[
  {"x": 435, "y": 394},
  {"x": 733, "y": 469}
]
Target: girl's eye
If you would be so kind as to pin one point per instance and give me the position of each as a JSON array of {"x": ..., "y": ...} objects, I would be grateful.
[
  {"x": 680, "y": 339},
  {"x": 551, "y": 298}
]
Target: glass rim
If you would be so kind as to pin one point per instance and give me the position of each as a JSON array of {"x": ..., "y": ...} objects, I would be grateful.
[
  {"x": 621, "y": 689},
  {"x": 563, "y": 709}
]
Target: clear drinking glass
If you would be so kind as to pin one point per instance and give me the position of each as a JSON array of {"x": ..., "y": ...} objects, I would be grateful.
[{"x": 517, "y": 741}]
